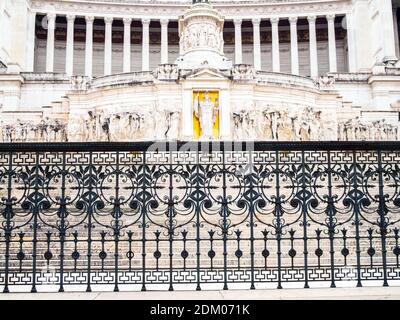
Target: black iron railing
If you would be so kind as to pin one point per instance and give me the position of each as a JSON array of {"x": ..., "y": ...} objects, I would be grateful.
[{"x": 134, "y": 217}]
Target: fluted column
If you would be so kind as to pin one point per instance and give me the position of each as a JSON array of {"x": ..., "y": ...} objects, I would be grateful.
[
  {"x": 89, "y": 47},
  {"x": 69, "y": 60},
  {"x": 238, "y": 41},
  {"x": 257, "y": 43},
  {"x": 146, "y": 45},
  {"x": 313, "y": 47},
  {"x": 51, "y": 21},
  {"x": 332, "y": 43},
  {"x": 294, "y": 47},
  {"x": 127, "y": 44},
  {"x": 164, "y": 41},
  {"x": 276, "y": 62},
  {"x": 108, "y": 46}
]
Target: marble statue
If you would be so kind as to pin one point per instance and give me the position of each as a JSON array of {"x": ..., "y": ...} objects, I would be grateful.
[{"x": 207, "y": 113}]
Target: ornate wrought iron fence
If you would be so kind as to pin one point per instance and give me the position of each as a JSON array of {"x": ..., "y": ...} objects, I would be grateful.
[{"x": 122, "y": 216}]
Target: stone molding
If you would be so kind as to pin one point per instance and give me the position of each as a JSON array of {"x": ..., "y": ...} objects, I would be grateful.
[{"x": 174, "y": 9}]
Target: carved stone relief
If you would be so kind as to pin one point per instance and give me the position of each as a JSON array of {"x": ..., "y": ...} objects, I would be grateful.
[
  {"x": 145, "y": 123},
  {"x": 360, "y": 130},
  {"x": 47, "y": 130},
  {"x": 282, "y": 123}
]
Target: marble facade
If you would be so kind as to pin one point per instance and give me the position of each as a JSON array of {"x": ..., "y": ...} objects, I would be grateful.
[{"x": 157, "y": 104}]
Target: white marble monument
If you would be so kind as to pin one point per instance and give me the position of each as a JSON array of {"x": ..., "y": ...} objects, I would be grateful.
[{"x": 134, "y": 70}]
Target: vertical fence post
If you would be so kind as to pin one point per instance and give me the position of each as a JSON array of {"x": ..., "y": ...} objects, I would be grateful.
[
  {"x": 198, "y": 238},
  {"x": 382, "y": 211},
  {"x": 117, "y": 214},
  {"x": 62, "y": 230},
  {"x": 170, "y": 220},
  {"x": 8, "y": 229},
  {"x": 224, "y": 220},
  {"x": 144, "y": 212},
  {"x": 89, "y": 216},
  {"x": 278, "y": 212},
  {"x": 304, "y": 212},
  {"x": 331, "y": 223},
  {"x": 35, "y": 223},
  {"x": 251, "y": 176},
  {"x": 354, "y": 182}
]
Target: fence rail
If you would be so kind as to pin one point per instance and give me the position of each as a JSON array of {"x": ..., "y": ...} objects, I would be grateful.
[{"x": 128, "y": 216}]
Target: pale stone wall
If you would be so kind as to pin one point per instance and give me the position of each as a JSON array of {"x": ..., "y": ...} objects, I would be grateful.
[{"x": 363, "y": 92}]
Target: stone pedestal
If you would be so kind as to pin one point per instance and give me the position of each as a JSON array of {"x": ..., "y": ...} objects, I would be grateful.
[{"x": 202, "y": 42}]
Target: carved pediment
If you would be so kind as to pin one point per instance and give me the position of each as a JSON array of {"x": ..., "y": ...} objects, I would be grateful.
[{"x": 206, "y": 74}]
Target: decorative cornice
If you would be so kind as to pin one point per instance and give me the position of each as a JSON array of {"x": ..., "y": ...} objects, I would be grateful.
[{"x": 157, "y": 9}]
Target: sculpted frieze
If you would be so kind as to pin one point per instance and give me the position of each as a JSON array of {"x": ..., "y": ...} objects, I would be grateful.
[
  {"x": 282, "y": 123},
  {"x": 362, "y": 130},
  {"x": 47, "y": 130},
  {"x": 146, "y": 122}
]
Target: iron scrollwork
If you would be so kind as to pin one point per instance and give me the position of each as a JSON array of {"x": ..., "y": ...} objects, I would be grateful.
[{"x": 170, "y": 219}]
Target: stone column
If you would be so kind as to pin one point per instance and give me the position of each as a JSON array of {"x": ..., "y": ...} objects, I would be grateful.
[
  {"x": 257, "y": 43},
  {"x": 69, "y": 60},
  {"x": 51, "y": 21},
  {"x": 146, "y": 45},
  {"x": 238, "y": 41},
  {"x": 276, "y": 62},
  {"x": 30, "y": 59},
  {"x": 108, "y": 46},
  {"x": 313, "y": 47},
  {"x": 351, "y": 44},
  {"x": 387, "y": 29},
  {"x": 396, "y": 33},
  {"x": 164, "y": 41},
  {"x": 127, "y": 44},
  {"x": 294, "y": 47},
  {"x": 89, "y": 47},
  {"x": 332, "y": 43}
]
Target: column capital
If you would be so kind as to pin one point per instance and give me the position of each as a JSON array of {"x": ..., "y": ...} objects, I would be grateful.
[
  {"x": 330, "y": 17},
  {"x": 293, "y": 20},
  {"x": 164, "y": 22},
  {"x": 146, "y": 21},
  {"x": 89, "y": 19},
  {"x": 256, "y": 21},
  {"x": 237, "y": 21},
  {"x": 70, "y": 18},
  {"x": 274, "y": 20},
  {"x": 108, "y": 20},
  {"x": 51, "y": 16},
  {"x": 311, "y": 19},
  {"x": 127, "y": 20}
]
